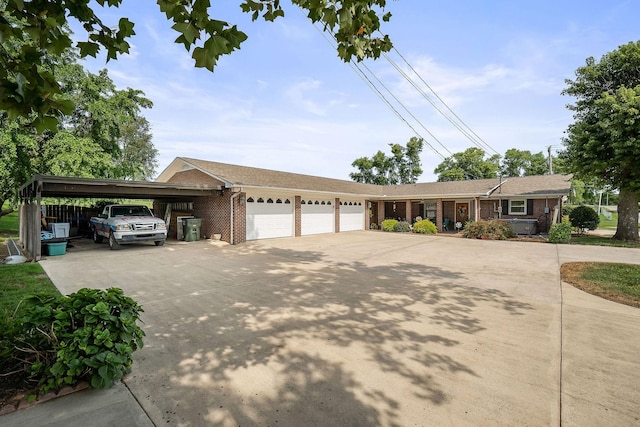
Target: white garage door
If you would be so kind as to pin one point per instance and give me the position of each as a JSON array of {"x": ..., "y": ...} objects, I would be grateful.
[
  {"x": 269, "y": 217},
  {"x": 317, "y": 217},
  {"x": 351, "y": 216}
]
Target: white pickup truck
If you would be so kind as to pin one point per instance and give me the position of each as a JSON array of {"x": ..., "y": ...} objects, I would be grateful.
[{"x": 124, "y": 224}]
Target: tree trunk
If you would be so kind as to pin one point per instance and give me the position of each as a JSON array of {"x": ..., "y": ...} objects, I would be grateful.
[{"x": 627, "y": 216}]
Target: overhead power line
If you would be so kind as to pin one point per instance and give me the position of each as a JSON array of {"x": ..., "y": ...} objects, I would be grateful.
[
  {"x": 389, "y": 104},
  {"x": 440, "y": 105},
  {"x": 456, "y": 121}
]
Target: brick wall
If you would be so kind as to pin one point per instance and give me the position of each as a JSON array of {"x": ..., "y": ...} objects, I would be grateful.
[
  {"x": 215, "y": 212},
  {"x": 336, "y": 227},
  {"x": 240, "y": 219},
  {"x": 544, "y": 220}
]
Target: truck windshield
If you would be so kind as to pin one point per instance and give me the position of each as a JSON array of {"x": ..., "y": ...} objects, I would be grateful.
[{"x": 130, "y": 211}]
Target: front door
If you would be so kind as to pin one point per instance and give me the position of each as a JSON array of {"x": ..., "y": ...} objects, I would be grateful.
[{"x": 462, "y": 212}]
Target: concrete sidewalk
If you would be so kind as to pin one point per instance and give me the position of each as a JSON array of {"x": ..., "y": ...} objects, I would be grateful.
[
  {"x": 115, "y": 407},
  {"x": 361, "y": 329}
]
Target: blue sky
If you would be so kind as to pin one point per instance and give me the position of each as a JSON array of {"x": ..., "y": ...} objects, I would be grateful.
[{"x": 286, "y": 102}]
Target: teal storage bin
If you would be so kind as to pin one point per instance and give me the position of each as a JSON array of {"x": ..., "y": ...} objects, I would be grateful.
[{"x": 56, "y": 248}]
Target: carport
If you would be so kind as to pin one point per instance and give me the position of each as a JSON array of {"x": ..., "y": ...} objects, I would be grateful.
[{"x": 40, "y": 186}]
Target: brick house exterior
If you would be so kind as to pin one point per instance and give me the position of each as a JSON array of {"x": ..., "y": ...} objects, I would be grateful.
[{"x": 258, "y": 203}]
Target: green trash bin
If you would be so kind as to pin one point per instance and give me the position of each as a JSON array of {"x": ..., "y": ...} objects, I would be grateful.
[{"x": 192, "y": 229}]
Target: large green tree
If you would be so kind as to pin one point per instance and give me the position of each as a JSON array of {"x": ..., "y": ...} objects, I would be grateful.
[
  {"x": 36, "y": 30},
  {"x": 401, "y": 167},
  {"x": 105, "y": 136},
  {"x": 603, "y": 143},
  {"x": 524, "y": 163},
  {"x": 469, "y": 164}
]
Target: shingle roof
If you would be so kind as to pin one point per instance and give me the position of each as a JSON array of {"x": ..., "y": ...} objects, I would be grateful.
[
  {"x": 235, "y": 175},
  {"x": 255, "y": 177}
]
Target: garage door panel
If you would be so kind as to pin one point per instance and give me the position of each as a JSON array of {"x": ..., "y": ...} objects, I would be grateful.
[
  {"x": 317, "y": 219},
  {"x": 269, "y": 220},
  {"x": 352, "y": 217}
]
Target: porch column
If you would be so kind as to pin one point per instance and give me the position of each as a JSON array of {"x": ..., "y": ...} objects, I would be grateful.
[
  {"x": 381, "y": 214},
  {"x": 367, "y": 214},
  {"x": 407, "y": 211},
  {"x": 439, "y": 215}
]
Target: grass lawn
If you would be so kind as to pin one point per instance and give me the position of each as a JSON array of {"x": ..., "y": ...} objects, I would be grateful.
[
  {"x": 615, "y": 282},
  {"x": 600, "y": 241},
  {"x": 20, "y": 280}
]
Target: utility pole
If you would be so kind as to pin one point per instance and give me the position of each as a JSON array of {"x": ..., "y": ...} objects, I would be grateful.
[{"x": 550, "y": 162}]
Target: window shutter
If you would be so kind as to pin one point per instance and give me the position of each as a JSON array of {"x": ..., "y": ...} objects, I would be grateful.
[{"x": 529, "y": 206}]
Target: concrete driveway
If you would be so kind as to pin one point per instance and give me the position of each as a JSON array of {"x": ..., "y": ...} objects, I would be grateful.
[{"x": 369, "y": 328}]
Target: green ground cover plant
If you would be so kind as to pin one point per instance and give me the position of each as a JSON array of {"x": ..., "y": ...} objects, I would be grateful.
[{"x": 48, "y": 340}]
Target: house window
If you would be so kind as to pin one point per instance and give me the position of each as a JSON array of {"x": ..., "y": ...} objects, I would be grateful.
[{"x": 517, "y": 207}]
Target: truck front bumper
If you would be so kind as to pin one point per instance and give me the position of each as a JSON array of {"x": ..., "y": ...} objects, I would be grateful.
[{"x": 124, "y": 238}]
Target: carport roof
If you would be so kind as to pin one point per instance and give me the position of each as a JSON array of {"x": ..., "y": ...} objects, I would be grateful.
[{"x": 72, "y": 187}]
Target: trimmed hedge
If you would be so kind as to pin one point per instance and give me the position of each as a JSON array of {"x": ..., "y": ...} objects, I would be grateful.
[
  {"x": 560, "y": 233},
  {"x": 425, "y": 227},
  {"x": 584, "y": 217},
  {"x": 488, "y": 230},
  {"x": 389, "y": 224},
  {"x": 402, "y": 227}
]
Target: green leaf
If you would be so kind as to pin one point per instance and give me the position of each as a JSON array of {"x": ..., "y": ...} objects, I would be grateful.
[
  {"x": 43, "y": 123},
  {"x": 126, "y": 28},
  {"x": 203, "y": 59},
  {"x": 88, "y": 49},
  {"x": 188, "y": 31}
]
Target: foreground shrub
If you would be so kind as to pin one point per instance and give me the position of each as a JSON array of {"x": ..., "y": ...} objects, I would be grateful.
[
  {"x": 87, "y": 336},
  {"x": 402, "y": 227},
  {"x": 566, "y": 210},
  {"x": 488, "y": 230},
  {"x": 425, "y": 227},
  {"x": 389, "y": 224},
  {"x": 584, "y": 217},
  {"x": 560, "y": 233}
]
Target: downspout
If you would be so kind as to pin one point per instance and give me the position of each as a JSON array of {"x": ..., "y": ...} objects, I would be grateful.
[{"x": 231, "y": 225}]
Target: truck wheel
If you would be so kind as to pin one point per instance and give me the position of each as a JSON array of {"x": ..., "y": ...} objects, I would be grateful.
[
  {"x": 159, "y": 242},
  {"x": 96, "y": 237},
  {"x": 113, "y": 243}
]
